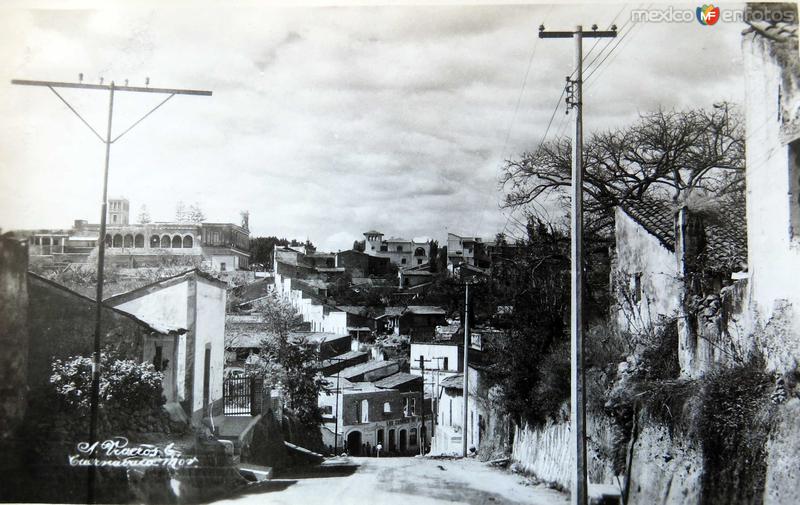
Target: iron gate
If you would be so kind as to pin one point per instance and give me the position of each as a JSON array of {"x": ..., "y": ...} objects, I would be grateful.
[{"x": 242, "y": 396}]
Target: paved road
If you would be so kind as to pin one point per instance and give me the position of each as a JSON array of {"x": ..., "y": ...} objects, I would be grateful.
[{"x": 406, "y": 481}]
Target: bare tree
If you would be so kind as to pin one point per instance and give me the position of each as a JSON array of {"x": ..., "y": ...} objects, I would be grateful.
[{"x": 664, "y": 155}]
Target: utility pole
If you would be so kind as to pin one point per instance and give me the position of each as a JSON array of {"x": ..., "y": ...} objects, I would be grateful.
[
  {"x": 336, "y": 409},
  {"x": 577, "y": 376},
  {"x": 465, "y": 377},
  {"x": 111, "y": 88},
  {"x": 422, "y": 431}
]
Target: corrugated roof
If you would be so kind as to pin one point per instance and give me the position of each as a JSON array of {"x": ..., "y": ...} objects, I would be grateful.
[
  {"x": 342, "y": 357},
  {"x": 396, "y": 380},
  {"x": 363, "y": 368},
  {"x": 426, "y": 310},
  {"x": 453, "y": 382}
]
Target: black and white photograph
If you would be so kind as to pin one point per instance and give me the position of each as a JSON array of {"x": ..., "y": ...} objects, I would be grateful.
[{"x": 335, "y": 252}]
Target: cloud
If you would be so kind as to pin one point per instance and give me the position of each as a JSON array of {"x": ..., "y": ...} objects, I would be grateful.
[{"x": 324, "y": 122}]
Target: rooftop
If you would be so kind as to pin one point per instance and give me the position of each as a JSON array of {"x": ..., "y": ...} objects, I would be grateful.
[
  {"x": 398, "y": 379},
  {"x": 369, "y": 366},
  {"x": 725, "y": 229},
  {"x": 425, "y": 310}
]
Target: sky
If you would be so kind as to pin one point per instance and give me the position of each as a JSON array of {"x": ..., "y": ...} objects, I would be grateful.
[{"x": 325, "y": 121}]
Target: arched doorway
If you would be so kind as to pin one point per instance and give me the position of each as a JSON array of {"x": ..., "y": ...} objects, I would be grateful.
[
  {"x": 138, "y": 241},
  {"x": 117, "y": 240},
  {"x": 165, "y": 241},
  {"x": 188, "y": 242},
  {"x": 392, "y": 442},
  {"x": 403, "y": 441},
  {"x": 177, "y": 242},
  {"x": 354, "y": 443},
  {"x": 128, "y": 241}
]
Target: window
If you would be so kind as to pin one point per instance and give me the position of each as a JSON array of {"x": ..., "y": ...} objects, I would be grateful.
[
  {"x": 117, "y": 240},
  {"x": 327, "y": 410},
  {"x": 636, "y": 287},
  {"x": 419, "y": 262},
  {"x": 157, "y": 358},
  {"x": 372, "y": 248},
  {"x": 188, "y": 242},
  {"x": 387, "y": 407},
  {"x": 154, "y": 240},
  {"x": 177, "y": 242},
  {"x": 165, "y": 241},
  {"x": 364, "y": 411},
  {"x": 113, "y": 218},
  {"x": 384, "y": 248},
  {"x": 399, "y": 248},
  {"x": 56, "y": 241},
  {"x": 403, "y": 261},
  {"x": 138, "y": 240},
  {"x": 410, "y": 408},
  {"x": 128, "y": 241},
  {"x": 794, "y": 188},
  {"x": 222, "y": 266},
  {"x": 444, "y": 364}
]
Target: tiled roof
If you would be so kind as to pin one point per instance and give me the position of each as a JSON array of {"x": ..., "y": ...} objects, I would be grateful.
[
  {"x": 656, "y": 217},
  {"x": 727, "y": 238},
  {"x": 725, "y": 229},
  {"x": 777, "y": 21}
]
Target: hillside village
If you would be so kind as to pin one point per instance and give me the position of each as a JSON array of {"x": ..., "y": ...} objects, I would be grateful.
[{"x": 258, "y": 363}]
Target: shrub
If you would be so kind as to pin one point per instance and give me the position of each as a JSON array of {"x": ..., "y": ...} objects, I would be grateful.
[{"x": 121, "y": 381}]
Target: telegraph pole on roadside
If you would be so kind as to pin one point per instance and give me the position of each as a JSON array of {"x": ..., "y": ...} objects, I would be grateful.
[
  {"x": 578, "y": 387},
  {"x": 111, "y": 89},
  {"x": 465, "y": 377}
]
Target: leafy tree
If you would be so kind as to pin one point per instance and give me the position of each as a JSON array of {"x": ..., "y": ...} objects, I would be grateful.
[
  {"x": 262, "y": 248},
  {"x": 289, "y": 362},
  {"x": 144, "y": 215},
  {"x": 664, "y": 155},
  {"x": 195, "y": 214},
  {"x": 360, "y": 245},
  {"x": 434, "y": 256},
  {"x": 441, "y": 259}
]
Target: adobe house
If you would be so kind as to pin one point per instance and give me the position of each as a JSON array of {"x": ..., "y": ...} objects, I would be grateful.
[
  {"x": 675, "y": 266},
  {"x": 191, "y": 304},
  {"x": 449, "y": 431},
  {"x": 61, "y": 325}
]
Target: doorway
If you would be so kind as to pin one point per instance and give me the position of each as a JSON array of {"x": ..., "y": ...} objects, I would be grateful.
[{"x": 354, "y": 443}]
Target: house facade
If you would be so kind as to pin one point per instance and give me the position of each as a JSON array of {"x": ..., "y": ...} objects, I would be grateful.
[
  {"x": 449, "y": 431},
  {"x": 364, "y": 407},
  {"x": 192, "y": 304},
  {"x": 223, "y": 246},
  {"x": 772, "y": 110},
  {"x": 402, "y": 252}
]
